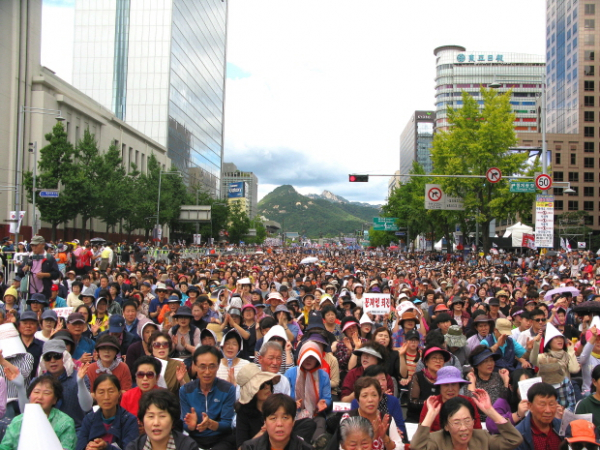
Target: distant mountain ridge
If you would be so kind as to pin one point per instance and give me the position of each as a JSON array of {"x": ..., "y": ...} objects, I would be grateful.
[
  {"x": 327, "y": 195},
  {"x": 316, "y": 215}
]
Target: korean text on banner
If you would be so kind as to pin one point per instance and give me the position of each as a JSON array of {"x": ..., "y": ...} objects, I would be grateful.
[
  {"x": 544, "y": 221},
  {"x": 63, "y": 312},
  {"x": 377, "y": 304}
]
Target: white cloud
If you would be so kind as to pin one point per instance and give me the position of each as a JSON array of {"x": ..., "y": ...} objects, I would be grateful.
[{"x": 337, "y": 81}]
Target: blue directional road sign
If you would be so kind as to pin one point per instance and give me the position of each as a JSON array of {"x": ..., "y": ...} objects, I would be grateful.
[{"x": 49, "y": 194}]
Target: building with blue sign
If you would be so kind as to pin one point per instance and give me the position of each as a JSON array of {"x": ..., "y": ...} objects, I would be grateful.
[
  {"x": 459, "y": 69},
  {"x": 241, "y": 187},
  {"x": 160, "y": 67},
  {"x": 416, "y": 141}
]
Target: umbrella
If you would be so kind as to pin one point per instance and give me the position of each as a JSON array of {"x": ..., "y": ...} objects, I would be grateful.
[
  {"x": 97, "y": 240},
  {"x": 560, "y": 290},
  {"x": 587, "y": 308},
  {"x": 309, "y": 260},
  {"x": 551, "y": 253}
]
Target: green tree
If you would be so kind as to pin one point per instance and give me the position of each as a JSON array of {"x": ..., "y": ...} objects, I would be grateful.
[
  {"x": 115, "y": 199},
  {"x": 477, "y": 140},
  {"x": 380, "y": 238},
  {"x": 86, "y": 181},
  {"x": 239, "y": 223},
  {"x": 56, "y": 170}
]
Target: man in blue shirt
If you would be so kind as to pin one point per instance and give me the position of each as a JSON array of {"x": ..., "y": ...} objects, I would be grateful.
[
  {"x": 207, "y": 403},
  {"x": 156, "y": 304},
  {"x": 84, "y": 347},
  {"x": 510, "y": 350}
]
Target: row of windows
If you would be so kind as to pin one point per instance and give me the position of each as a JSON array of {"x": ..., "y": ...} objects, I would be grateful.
[
  {"x": 588, "y": 191},
  {"x": 588, "y": 163},
  {"x": 588, "y": 177}
]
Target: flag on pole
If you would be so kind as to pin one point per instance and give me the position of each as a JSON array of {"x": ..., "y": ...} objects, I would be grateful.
[
  {"x": 568, "y": 245},
  {"x": 562, "y": 244},
  {"x": 581, "y": 245}
]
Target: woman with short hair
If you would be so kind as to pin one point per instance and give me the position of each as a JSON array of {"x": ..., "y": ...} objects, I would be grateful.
[{"x": 159, "y": 413}]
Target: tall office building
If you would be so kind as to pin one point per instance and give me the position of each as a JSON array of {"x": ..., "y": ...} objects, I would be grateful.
[
  {"x": 416, "y": 141},
  {"x": 572, "y": 41},
  {"x": 159, "y": 65},
  {"x": 239, "y": 186},
  {"x": 459, "y": 70}
]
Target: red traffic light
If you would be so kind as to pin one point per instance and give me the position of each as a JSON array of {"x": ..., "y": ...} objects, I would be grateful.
[{"x": 358, "y": 178}]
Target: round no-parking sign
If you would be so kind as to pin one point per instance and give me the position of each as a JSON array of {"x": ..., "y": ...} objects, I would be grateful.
[
  {"x": 543, "y": 182},
  {"x": 434, "y": 194}
]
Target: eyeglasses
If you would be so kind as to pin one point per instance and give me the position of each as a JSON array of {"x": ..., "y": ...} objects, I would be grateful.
[
  {"x": 468, "y": 422},
  {"x": 210, "y": 367},
  {"x": 149, "y": 375},
  {"x": 540, "y": 320},
  {"x": 160, "y": 345},
  {"x": 53, "y": 356}
]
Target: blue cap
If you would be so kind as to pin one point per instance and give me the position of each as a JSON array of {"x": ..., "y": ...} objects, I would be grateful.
[
  {"x": 49, "y": 315},
  {"x": 37, "y": 298},
  {"x": 28, "y": 315},
  {"x": 116, "y": 324}
]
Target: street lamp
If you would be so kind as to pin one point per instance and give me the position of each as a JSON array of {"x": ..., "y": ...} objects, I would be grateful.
[
  {"x": 18, "y": 176},
  {"x": 160, "y": 174}
]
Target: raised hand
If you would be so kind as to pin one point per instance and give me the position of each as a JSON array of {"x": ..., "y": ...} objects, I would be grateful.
[
  {"x": 322, "y": 405},
  {"x": 202, "y": 426},
  {"x": 482, "y": 400},
  {"x": 380, "y": 426},
  {"x": 403, "y": 349},
  {"x": 82, "y": 372},
  {"x": 471, "y": 377},
  {"x": 191, "y": 419},
  {"x": 11, "y": 372},
  {"x": 434, "y": 405},
  {"x": 180, "y": 373},
  {"x": 85, "y": 358}
]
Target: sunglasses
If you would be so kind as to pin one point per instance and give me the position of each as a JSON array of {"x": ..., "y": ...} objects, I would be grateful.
[
  {"x": 540, "y": 320},
  {"x": 149, "y": 375},
  {"x": 160, "y": 345},
  {"x": 53, "y": 356}
]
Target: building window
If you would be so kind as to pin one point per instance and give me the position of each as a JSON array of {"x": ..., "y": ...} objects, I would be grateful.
[
  {"x": 588, "y": 55},
  {"x": 573, "y": 205},
  {"x": 590, "y": 24},
  {"x": 573, "y": 159},
  {"x": 588, "y": 100},
  {"x": 588, "y": 147},
  {"x": 588, "y": 131},
  {"x": 558, "y": 191},
  {"x": 557, "y": 158},
  {"x": 573, "y": 177},
  {"x": 589, "y": 86},
  {"x": 588, "y": 163},
  {"x": 588, "y": 71},
  {"x": 589, "y": 39},
  {"x": 588, "y": 191},
  {"x": 588, "y": 116},
  {"x": 588, "y": 220},
  {"x": 558, "y": 176},
  {"x": 558, "y": 205},
  {"x": 589, "y": 9},
  {"x": 588, "y": 206},
  {"x": 588, "y": 177}
]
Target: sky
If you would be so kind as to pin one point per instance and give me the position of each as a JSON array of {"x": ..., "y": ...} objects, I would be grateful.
[{"x": 317, "y": 90}]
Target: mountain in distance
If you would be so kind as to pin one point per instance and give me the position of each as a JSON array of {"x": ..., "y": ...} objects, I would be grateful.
[
  {"x": 316, "y": 215},
  {"x": 330, "y": 196}
]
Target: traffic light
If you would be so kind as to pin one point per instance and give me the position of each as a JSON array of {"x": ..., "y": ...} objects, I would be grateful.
[{"x": 358, "y": 178}]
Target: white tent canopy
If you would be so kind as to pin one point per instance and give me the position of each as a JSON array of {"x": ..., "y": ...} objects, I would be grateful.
[{"x": 516, "y": 232}]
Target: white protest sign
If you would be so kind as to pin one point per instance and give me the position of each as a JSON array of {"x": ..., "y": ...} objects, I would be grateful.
[
  {"x": 63, "y": 312},
  {"x": 377, "y": 304},
  {"x": 341, "y": 406},
  {"x": 569, "y": 417},
  {"x": 524, "y": 386}
]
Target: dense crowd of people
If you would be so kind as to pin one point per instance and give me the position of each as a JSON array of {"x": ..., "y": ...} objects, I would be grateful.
[{"x": 283, "y": 349}]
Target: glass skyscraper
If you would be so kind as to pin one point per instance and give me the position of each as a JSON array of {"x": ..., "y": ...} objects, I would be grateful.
[
  {"x": 160, "y": 66},
  {"x": 416, "y": 141}
]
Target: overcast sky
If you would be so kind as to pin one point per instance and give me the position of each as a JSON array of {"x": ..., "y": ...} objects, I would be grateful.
[{"x": 320, "y": 89}]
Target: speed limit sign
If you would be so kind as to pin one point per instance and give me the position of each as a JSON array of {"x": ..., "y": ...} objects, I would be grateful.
[{"x": 543, "y": 182}]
